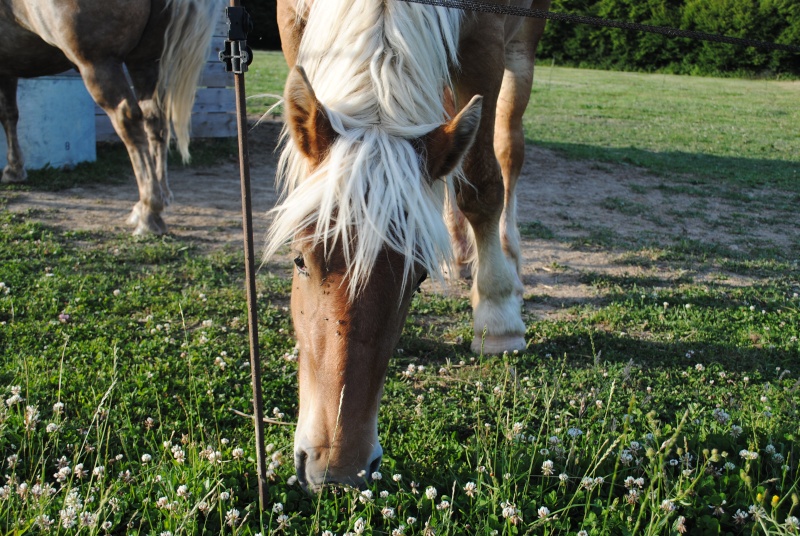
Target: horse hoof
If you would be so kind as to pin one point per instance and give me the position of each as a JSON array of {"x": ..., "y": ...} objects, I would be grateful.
[
  {"x": 490, "y": 344},
  {"x": 14, "y": 176},
  {"x": 151, "y": 225}
]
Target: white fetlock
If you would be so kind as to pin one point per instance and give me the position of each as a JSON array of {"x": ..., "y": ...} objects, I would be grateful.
[{"x": 134, "y": 217}]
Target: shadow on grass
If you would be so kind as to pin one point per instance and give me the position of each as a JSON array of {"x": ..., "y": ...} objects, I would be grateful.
[
  {"x": 583, "y": 347},
  {"x": 704, "y": 169}
]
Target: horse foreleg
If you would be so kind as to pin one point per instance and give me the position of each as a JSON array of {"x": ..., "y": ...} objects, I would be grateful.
[
  {"x": 461, "y": 241},
  {"x": 509, "y": 137},
  {"x": 9, "y": 116},
  {"x": 108, "y": 86},
  {"x": 496, "y": 291}
]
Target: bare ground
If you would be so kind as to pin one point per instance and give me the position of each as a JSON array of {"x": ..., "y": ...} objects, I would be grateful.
[{"x": 577, "y": 217}]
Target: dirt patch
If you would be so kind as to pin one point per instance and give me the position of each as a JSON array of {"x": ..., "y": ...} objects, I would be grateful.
[{"x": 577, "y": 217}]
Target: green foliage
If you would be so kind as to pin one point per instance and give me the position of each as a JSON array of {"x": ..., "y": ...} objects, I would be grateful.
[{"x": 609, "y": 48}]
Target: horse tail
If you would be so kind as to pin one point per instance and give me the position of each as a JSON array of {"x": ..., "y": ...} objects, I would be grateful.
[{"x": 186, "y": 42}]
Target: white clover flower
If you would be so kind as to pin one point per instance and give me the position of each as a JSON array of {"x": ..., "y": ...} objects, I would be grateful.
[
  {"x": 574, "y": 432},
  {"x": 667, "y": 505},
  {"x": 88, "y": 519},
  {"x": 699, "y": 367},
  {"x": 443, "y": 505},
  {"x": 471, "y": 489},
  {"x": 792, "y": 523},
  {"x": 146, "y": 458},
  {"x": 431, "y": 492},
  {"x": 509, "y": 509},
  {"x": 376, "y": 476},
  {"x": 232, "y": 517},
  {"x": 179, "y": 455},
  {"x": 69, "y": 517},
  {"x": 740, "y": 517},
  {"x": 397, "y": 477},
  {"x": 277, "y": 508},
  {"x": 359, "y": 525},
  {"x": 183, "y": 491},
  {"x": 736, "y": 431},
  {"x": 388, "y": 512},
  {"x": 224, "y": 496},
  {"x": 366, "y": 495},
  {"x": 98, "y": 471},
  {"x": 237, "y": 453},
  {"x": 43, "y": 522},
  {"x": 563, "y": 477},
  {"x": 547, "y": 467},
  {"x": 411, "y": 520},
  {"x": 748, "y": 454},
  {"x": 63, "y": 474},
  {"x": 543, "y": 512},
  {"x": 31, "y": 418},
  {"x": 721, "y": 416}
]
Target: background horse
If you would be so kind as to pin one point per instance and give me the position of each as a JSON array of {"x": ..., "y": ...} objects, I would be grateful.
[
  {"x": 163, "y": 44},
  {"x": 371, "y": 129}
]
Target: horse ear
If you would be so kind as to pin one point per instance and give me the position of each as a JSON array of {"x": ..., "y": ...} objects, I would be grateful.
[
  {"x": 447, "y": 144},
  {"x": 308, "y": 122}
]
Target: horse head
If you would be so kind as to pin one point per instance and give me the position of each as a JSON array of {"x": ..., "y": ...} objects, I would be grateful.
[{"x": 349, "y": 303}]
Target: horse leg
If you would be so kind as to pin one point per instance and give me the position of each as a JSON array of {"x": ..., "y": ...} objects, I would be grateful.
[
  {"x": 9, "y": 116},
  {"x": 509, "y": 138},
  {"x": 496, "y": 291},
  {"x": 460, "y": 239},
  {"x": 145, "y": 80},
  {"x": 108, "y": 86}
]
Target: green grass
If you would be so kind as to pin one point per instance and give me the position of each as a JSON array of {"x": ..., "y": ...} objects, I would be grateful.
[
  {"x": 265, "y": 80},
  {"x": 708, "y": 128},
  {"x": 144, "y": 343}
]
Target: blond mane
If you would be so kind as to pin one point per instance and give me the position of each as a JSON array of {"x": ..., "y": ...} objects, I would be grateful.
[{"x": 379, "y": 68}]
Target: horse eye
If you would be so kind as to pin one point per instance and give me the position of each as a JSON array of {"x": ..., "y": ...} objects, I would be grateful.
[{"x": 300, "y": 262}]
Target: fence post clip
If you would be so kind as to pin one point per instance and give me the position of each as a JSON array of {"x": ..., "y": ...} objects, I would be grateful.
[{"x": 237, "y": 55}]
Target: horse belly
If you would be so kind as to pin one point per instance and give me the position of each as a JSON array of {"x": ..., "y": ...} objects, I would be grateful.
[{"x": 23, "y": 54}]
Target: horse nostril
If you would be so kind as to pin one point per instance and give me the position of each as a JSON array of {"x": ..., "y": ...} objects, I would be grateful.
[{"x": 300, "y": 468}]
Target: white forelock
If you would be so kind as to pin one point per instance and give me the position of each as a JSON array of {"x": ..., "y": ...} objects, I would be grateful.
[{"x": 379, "y": 68}]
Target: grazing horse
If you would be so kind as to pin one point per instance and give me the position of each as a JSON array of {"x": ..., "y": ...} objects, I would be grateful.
[
  {"x": 163, "y": 44},
  {"x": 374, "y": 155}
]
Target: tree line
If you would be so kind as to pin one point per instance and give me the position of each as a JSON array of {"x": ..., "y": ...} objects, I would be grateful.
[{"x": 608, "y": 48}]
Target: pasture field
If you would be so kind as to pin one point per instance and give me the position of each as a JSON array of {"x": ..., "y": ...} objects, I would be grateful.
[{"x": 664, "y": 401}]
